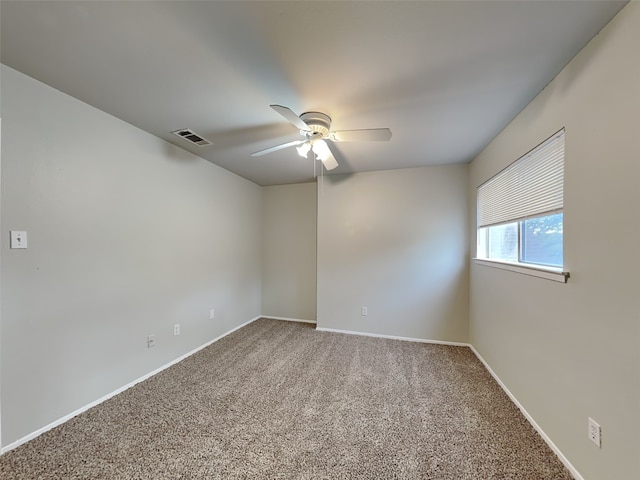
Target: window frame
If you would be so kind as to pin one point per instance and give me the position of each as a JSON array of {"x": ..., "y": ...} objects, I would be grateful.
[{"x": 546, "y": 271}]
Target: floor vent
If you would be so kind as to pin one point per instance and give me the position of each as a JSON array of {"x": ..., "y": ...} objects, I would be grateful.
[{"x": 192, "y": 137}]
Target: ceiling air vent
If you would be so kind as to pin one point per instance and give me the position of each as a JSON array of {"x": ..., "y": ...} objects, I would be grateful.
[{"x": 192, "y": 137}]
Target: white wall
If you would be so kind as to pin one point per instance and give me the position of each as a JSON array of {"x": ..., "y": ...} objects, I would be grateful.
[
  {"x": 395, "y": 242},
  {"x": 128, "y": 235},
  {"x": 1, "y": 243},
  {"x": 289, "y": 251},
  {"x": 572, "y": 351}
]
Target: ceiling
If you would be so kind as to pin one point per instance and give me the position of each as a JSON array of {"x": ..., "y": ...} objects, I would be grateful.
[{"x": 446, "y": 77}]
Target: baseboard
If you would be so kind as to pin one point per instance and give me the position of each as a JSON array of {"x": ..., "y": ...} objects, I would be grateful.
[
  {"x": 530, "y": 419},
  {"x": 526, "y": 414},
  {"x": 286, "y": 319},
  {"x": 77, "y": 412},
  {"x": 392, "y": 337}
]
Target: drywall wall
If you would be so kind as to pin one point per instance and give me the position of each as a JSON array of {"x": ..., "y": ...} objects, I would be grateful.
[
  {"x": 289, "y": 251},
  {"x": 396, "y": 243},
  {"x": 128, "y": 235},
  {"x": 571, "y": 351},
  {"x": 1, "y": 243}
]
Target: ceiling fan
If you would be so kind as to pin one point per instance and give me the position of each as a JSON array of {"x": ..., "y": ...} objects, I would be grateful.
[{"x": 315, "y": 127}]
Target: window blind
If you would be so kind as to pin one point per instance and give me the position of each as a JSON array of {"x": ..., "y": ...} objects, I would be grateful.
[{"x": 530, "y": 186}]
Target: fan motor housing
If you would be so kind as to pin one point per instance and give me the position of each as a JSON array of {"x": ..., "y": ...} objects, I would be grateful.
[{"x": 318, "y": 122}]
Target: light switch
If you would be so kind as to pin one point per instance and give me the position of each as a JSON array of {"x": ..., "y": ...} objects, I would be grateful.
[{"x": 18, "y": 239}]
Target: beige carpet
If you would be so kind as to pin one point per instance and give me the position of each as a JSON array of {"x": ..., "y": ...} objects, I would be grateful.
[{"x": 278, "y": 400}]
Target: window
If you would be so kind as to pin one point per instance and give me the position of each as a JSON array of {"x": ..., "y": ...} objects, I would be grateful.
[{"x": 520, "y": 211}]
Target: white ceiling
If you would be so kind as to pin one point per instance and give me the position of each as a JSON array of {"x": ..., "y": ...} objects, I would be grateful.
[{"x": 445, "y": 77}]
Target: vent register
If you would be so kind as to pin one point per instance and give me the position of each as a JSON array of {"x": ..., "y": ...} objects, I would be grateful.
[{"x": 191, "y": 136}]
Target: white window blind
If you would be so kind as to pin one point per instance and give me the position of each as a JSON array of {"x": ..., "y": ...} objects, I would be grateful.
[{"x": 530, "y": 186}]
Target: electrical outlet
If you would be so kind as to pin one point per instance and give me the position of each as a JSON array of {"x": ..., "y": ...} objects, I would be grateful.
[
  {"x": 176, "y": 329},
  {"x": 364, "y": 312},
  {"x": 151, "y": 341},
  {"x": 595, "y": 432},
  {"x": 212, "y": 314}
]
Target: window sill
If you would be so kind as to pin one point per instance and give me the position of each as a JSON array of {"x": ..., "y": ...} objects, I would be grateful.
[{"x": 548, "y": 273}]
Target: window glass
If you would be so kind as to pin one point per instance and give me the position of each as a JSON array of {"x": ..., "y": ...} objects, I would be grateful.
[
  {"x": 542, "y": 240},
  {"x": 503, "y": 242}
]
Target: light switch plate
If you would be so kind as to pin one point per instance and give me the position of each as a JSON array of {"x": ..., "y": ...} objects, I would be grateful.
[
  {"x": 595, "y": 432},
  {"x": 18, "y": 239}
]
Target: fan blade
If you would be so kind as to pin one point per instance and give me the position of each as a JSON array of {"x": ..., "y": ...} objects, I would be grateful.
[
  {"x": 276, "y": 148},
  {"x": 324, "y": 154},
  {"x": 330, "y": 162},
  {"x": 291, "y": 117},
  {"x": 367, "y": 135}
]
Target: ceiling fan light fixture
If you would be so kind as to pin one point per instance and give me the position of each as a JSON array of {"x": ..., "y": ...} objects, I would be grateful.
[
  {"x": 323, "y": 153},
  {"x": 303, "y": 150},
  {"x": 321, "y": 149},
  {"x": 316, "y": 127}
]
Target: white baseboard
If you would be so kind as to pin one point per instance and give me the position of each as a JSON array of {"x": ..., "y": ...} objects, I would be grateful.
[
  {"x": 62, "y": 420},
  {"x": 286, "y": 319},
  {"x": 530, "y": 419},
  {"x": 393, "y": 337},
  {"x": 526, "y": 414}
]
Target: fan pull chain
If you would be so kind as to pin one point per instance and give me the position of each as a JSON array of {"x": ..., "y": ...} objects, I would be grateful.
[{"x": 321, "y": 176}]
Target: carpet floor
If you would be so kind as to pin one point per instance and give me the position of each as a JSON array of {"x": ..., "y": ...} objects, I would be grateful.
[{"x": 279, "y": 400}]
